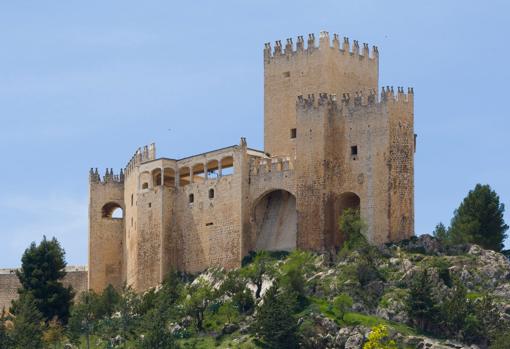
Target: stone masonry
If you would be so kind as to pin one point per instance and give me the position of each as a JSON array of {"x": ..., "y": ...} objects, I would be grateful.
[{"x": 332, "y": 141}]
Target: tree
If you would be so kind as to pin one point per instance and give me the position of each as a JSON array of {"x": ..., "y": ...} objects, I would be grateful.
[
  {"x": 84, "y": 317},
  {"x": 342, "y": 302},
  {"x": 41, "y": 273},
  {"x": 295, "y": 270},
  {"x": 479, "y": 220},
  {"x": 275, "y": 321},
  {"x": 421, "y": 307},
  {"x": 200, "y": 294},
  {"x": 258, "y": 270},
  {"x": 28, "y": 324},
  {"x": 121, "y": 326},
  {"x": 378, "y": 338},
  {"x": 441, "y": 232},
  {"x": 352, "y": 227},
  {"x": 156, "y": 334},
  {"x": 234, "y": 286},
  {"x": 53, "y": 334}
]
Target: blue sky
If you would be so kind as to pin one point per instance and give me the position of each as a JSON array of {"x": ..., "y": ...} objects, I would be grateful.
[{"x": 84, "y": 83}]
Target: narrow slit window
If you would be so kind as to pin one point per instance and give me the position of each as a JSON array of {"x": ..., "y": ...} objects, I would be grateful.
[
  {"x": 293, "y": 133},
  {"x": 211, "y": 193},
  {"x": 191, "y": 198}
]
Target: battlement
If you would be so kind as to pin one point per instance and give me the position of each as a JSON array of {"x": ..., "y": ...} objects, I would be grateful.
[
  {"x": 259, "y": 166},
  {"x": 109, "y": 176},
  {"x": 345, "y": 48},
  {"x": 147, "y": 153},
  {"x": 358, "y": 99}
]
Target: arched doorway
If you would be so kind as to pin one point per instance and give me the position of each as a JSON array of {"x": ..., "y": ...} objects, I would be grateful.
[
  {"x": 346, "y": 201},
  {"x": 275, "y": 220}
]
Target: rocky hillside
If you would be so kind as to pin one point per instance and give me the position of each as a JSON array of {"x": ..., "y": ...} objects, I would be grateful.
[{"x": 376, "y": 284}]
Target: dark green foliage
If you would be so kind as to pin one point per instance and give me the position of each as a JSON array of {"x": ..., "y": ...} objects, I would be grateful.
[
  {"x": 275, "y": 321},
  {"x": 421, "y": 307},
  {"x": 197, "y": 299},
  {"x": 258, "y": 270},
  {"x": 156, "y": 334},
  {"x": 479, "y": 220},
  {"x": 125, "y": 320},
  {"x": 28, "y": 324},
  {"x": 234, "y": 286},
  {"x": 352, "y": 227},
  {"x": 459, "y": 315},
  {"x": 41, "y": 273},
  {"x": 85, "y": 315},
  {"x": 440, "y": 232},
  {"x": 298, "y": 267},
  {"x": 501, "y": 340}
]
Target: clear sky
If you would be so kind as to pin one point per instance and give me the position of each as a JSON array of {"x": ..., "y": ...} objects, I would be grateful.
[{"x": 84, "y": 83}]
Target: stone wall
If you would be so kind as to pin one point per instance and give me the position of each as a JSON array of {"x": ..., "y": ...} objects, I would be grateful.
[{"x": 9, "y": 283}]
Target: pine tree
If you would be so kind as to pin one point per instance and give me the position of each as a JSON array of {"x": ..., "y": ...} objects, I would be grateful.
[
  {"x": 421, "y": 308},
  {"x": 275, "y": 321},
  {"x": 41, "y": 274},
  {"x": 479, "y": 220},
  {"x": 28, "y": 324}
]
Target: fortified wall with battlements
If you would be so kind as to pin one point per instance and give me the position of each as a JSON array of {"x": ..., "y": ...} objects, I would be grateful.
[{"x": 332, "y": 141}]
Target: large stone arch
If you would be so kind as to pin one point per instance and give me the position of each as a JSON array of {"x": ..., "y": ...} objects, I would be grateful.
[
  {"x": 274, "y": 221},
  {"x": 346, "y": 200}
]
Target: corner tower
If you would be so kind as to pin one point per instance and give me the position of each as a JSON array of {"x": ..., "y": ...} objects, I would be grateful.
[
  {"x": 334, "y": 67},
  {"x": 106, "y": 229}
]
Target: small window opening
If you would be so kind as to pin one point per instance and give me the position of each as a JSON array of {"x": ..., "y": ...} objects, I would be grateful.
[
  {"x": 150, "y": 204},
  {"x": 145, "y": 185},
  {"x": 209, "y": 224},
  {"x": 293, "y": 133},
  {"x": 191, "y": 198},
  {"x": 354, "y": 150},
  {"x": 286, "y": 74},
  {"x": 211, "y": 193},
  {"x": 131, "y": 200},
  {"x": 131, "y": 221}
]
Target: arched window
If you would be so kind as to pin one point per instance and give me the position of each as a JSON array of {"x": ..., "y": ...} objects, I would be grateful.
[
  {"x": 191, "y": 198},
  {"x": 112, "y": 210},
  {"x": 227, "y": 166},
  {"x": 211, "y": 193},
  {"x": 212, "y": 169},
  {"x": 198, "y": 173},
  {"x": 156, "y": 177},
  {"x": 184, "y": 176},
  {"x": 169, "y": 180},
  {"x": 145, "y": 180}
]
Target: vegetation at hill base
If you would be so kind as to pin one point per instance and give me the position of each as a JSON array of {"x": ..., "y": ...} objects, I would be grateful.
[{"x": 425, "y": 292}]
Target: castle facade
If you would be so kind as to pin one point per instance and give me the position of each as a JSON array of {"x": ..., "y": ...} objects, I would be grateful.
[{"x": 332, "y": 141}]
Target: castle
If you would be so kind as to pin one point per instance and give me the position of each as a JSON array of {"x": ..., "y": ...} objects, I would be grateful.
[{"x": 331, "y": 141}]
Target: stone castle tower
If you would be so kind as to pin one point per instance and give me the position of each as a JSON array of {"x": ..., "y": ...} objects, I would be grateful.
[{"x": 332, "y": 142}]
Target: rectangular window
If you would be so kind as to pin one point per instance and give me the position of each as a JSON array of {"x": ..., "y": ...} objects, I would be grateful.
[
  {"x": 286, "y": 74},
  {"x": 293, "y": 133},
  {"x": 354, "y": 150}
]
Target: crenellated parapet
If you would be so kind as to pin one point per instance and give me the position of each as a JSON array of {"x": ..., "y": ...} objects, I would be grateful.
[
  {"x": 260, "y": 166},
  {"x": 357, "y": 99},
  {"x": 143, "y": 154},
  {"x": 325, "y": 42},
  {"x": 108, "y": 177}
]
